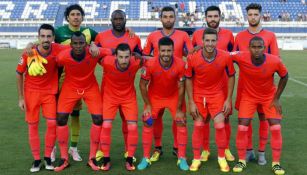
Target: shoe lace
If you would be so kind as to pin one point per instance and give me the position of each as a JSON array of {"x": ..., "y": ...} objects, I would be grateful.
[
  {"x": 240, "y": 165},
  {"x": 277, "y": 167}
]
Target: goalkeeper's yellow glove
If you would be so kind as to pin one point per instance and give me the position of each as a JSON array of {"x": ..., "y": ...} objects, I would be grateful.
[{"x": 35, "y": 64}]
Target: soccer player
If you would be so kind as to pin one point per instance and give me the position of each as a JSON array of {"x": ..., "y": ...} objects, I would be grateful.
[
  {"x": 205, "y": 78},
  {"x": 242, "y": 44},
  {"x": 225, "y": 41},
  {"x": 258, "y": 69},
  {"x": 79, "y": 83},
  {"x": 162, "y": 86},
  {"x": 74, "y": 15},
  {"x": 182, "y": 45},
  {"x": 119, "y": 93},
  {"x": 111, "y": 39},
  {"x": 39, "y": 92}
]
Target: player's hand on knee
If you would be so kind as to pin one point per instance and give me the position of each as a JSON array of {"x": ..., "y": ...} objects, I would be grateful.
[
  {"x": 275, "y": 103},
  {"x": 193, "y": 110},
  {"x": 227, "y": 107}
]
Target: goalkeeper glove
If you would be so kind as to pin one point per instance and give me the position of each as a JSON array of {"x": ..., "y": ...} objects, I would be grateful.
[{"x": 35, "y": 64}]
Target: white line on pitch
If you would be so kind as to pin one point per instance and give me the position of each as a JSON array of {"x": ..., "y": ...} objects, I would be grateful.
[{"x": 298, "y": 82}]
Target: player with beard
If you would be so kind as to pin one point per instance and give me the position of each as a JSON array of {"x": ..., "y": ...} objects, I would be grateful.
[
  {"x": 225, "y": 41},
  {"x": 205, "y": 80},
  {"x": 182, "y": 45},
  {"x": 111, "y": 39},
  {"x": 242, "y": 44}
]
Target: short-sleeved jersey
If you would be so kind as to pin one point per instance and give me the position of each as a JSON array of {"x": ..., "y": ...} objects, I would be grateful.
[
  {"x": 208, "y": 77},
  {"x": 270, "y": 41},
  {"x": 225, "y": 39},
  {"x": 182, "y": 43},
  {"x": 119, "y": 84},
  {"x": 107, "y": 39},
  {"x": 64, "y": 33},
  {"x": 47, "y": 82},
  {"x": 80, "y": 74},
  {"x": 258, "y": 80},
  {"x": 163, "y": 83}
]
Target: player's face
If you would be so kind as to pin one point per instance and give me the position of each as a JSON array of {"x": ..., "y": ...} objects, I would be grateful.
[
  {"x": 75, "y": 18},
  {"x": 123, "y": 58},
  {"x": 166, "y": 53},
  {"x": 213, "y": 19},
  {"x": 45, "y": 38},
  {"x": 210, "y": 41},
  {"x": 256, "y": 48},
  {"x": 78, "y": 45},
  {"x": 168, "y": 19},
  {"x": 118, "y": 22},
  {"x": 253, "y": 17}
]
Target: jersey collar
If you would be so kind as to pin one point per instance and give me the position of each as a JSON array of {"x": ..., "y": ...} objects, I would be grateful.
[
  {"x": 169, "y": 34},
  {"x": 166, "y": 68},
  {"x": 118, "y": 68},
  {"x": 214, "y": 57},
  {"x": 44, "y": 55}
]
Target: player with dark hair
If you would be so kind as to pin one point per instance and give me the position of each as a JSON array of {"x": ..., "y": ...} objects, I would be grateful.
[
  {"x": 35, "y": 92},
  {"x": 242, "y": 44},
  {"x": 225, "y": 41},
  {"x": 111, "y": 39},
  {"x": 205, "y": 80},
  {"x": 119, "y": 93},
  {"x": 258, "y": 69},
  {"x": 79, "y": 83},
  {"x": 162, "y": 86},
  {"x": 182, "y": 45}
]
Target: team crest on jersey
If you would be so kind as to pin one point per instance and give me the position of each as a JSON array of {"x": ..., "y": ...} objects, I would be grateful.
[{"x": 20, "y": 61}]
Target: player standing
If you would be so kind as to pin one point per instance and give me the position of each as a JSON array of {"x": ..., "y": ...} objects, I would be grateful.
[
  {"x": 182, "y": 45},
  {"x": 79, "y": 83},
  {"x": 205, "y": 80},
  {"x": 119, "y": 93},
  {"x": 242, "y": 44},
  {"x": 162, "y": 86},
  {"x": 225, "y": 41},
  {"x": 257, "y": 69},
  {"x": 111, "y": 39},
  {"x": 39, "y": 92}
]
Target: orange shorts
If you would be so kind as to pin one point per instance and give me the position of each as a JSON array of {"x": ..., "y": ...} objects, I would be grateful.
[
  {"x": 249, "y": 106},
  {"x": 70, "y": 96},
  {"x": 129, "y": 108},
  {"x": 157, "y": 105},
  {"x": 35, "y": 100},
  {"x": 239, "y": 96},
  {"x": 212, "y": 105}
]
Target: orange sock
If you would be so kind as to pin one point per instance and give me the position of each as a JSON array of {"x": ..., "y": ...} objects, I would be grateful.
[
  {"x": 197, "y": 138},
  {"x": 94, "y": 140},
  {"x": 62, "y": 136},
  {"x": 105, "y": 138},
  {"x": 50, "y": 137},
  {"x": 132, "y": 139},
  {"x": 263, "y": 134},
  {"x": 250, "y": 137},
  {"x": 241, "y": 141},
  {"x": 276, "y": 142},
  {"x": 174, "y": 130},
  {"x": 220, "y": 138},
  {"x": 228, "y": 133},
  {"x": 34, "y": 140},
  {"x": 147, "y": 135},
  {"x": 158, "y": 129},
  {"x": 182, "y": 137},
  {"x": 206, "y": 136}
]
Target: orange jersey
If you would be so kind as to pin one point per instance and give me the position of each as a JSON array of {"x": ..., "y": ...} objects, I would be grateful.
[
  {"x": 47, "y": 82},
  {"x": 258, "y": 80},
  {"x": 225, "y": 39},
  {"x": 107, "y": 39},
  {"x": 119, "y": 84},
  {"x": 182, "y": 43},
  {"x": 208, "y": 77},
  {"x": 80, "y": 74},
  {"x": 163, "y": 82},
  {"x": 270, "y": 41}
]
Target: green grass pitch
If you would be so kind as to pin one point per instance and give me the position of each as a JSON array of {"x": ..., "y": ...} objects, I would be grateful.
[{"x": 16, "y": 157}]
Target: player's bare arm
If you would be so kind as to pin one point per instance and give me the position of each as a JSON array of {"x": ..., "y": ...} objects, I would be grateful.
[
  {"x": 143, "y": 87},
  {"x": 228, "y": 101},
  {"x": 281, "y": 86},
  {"x": 193, "y": 109}
]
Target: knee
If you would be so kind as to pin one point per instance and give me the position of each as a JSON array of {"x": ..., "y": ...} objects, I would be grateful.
[
  {"x": 199, "y": 123},
  {"x": 97, "y": 119},
  {"x": 107, "y": 124},
  {"x": 51, "y": 123},
  {"x": 219, "y": 125},
  {"x": 132, "y": 126},
  {"x": 276, "y": 127},
  {"x": 181, "y": 122},
  {"x": 242, "y": 128},
  {"x": 62, "y": 119}
]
